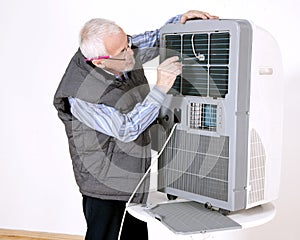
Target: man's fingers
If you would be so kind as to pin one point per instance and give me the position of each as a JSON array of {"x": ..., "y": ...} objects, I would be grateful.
[
  {"x": 196, "y": 14},
  {"x": 170, "y": 66},
  {"x": 167, "y": 72},
  {"x": 170, "y": 60}
]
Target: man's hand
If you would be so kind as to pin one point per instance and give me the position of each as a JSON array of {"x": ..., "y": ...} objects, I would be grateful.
[
  {"x": 167, "y": 72},
  {"x": 196, "y": 14}
]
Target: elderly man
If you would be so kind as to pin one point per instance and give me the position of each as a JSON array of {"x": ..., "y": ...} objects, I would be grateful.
[{"x": 106, "y": 105}]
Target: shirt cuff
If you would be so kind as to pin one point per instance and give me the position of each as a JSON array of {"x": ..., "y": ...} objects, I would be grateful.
[
  {"x": 174, "y": 19},
  {"x": 156, "y": 95}
]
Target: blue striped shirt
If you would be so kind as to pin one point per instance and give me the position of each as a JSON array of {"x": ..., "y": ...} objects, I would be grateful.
[
  {"x": 148, "y": 42},
  {"x": 125, "y": 127}
]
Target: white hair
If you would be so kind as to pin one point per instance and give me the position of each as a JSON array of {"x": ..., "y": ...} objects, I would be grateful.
[{"x": 92, "y": 34}]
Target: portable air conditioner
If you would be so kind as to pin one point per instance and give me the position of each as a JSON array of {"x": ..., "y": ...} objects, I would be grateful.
[{"x": 227, "y": 103}]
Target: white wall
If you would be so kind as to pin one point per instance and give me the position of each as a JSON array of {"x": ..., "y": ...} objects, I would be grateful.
[{"x": 37, "y": 188}]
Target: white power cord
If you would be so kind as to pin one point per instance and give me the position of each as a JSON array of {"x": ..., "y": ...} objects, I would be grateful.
[
  {"x": 143, "y": 178},
  {"x": 199, "y": 56}
]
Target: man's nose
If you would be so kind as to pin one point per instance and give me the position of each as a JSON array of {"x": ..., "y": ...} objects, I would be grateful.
[{"x": 129, "y": 51}]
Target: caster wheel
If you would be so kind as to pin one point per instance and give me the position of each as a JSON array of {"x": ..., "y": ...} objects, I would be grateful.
[
  {"x": 171, "y": 197},
  {"x": 224, "y": 212}
]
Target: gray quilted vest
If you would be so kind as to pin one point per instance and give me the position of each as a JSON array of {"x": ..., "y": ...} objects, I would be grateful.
[{"x": 104, "y": 167}]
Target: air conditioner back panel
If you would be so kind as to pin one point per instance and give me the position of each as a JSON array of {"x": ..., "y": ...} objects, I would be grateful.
[{"x": 210, "y": 156}]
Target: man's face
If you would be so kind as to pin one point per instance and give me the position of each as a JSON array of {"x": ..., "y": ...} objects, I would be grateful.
[{"x": 117, "y": 47}]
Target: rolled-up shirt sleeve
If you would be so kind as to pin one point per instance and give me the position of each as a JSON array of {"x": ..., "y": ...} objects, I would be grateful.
[{"x": 108, "y": 120}]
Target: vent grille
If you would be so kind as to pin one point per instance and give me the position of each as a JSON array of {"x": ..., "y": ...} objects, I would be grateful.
[
  {"x": 205, "y": 59},
  {"x": 196, "y": 164},
  {"x": 203, "y": 116},
  {"x": 218, "y": 83},
  {"x": 194, "y": 80},
  {"x": 219, "y": 48},
  {"x": 257, "y": 169},
  {"x": 195, "y": 44}
]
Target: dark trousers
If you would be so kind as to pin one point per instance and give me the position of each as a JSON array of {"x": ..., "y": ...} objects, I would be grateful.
[{"x": 104, "y": 218}]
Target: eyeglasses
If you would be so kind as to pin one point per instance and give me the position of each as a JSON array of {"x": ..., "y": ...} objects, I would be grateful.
[{"x": 129, "y": 41}]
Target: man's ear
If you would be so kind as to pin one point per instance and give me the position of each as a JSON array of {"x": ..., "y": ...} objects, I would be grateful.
[{"x": 99, "y": 63}]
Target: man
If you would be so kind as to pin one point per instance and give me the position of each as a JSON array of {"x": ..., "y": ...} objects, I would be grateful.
[{"x": 106, "y": 104}]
